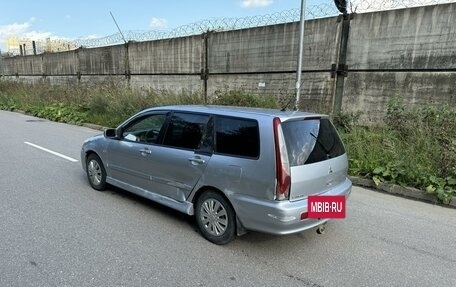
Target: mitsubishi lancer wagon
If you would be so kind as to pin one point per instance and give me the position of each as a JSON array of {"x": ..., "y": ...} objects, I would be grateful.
[{"x": 235, "y": 169}]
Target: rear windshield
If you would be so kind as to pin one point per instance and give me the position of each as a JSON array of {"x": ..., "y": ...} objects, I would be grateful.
[{"x": 310, "y": 141}]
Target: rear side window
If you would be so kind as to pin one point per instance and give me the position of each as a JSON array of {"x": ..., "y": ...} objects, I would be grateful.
[
  {"x": 237, "y": 137},
  {"x": 185, "y": 130},
  {"x": 310, "y": 141}
]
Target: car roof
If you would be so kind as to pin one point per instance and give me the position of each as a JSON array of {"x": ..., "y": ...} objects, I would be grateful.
[{"x": 239, "y": 111}]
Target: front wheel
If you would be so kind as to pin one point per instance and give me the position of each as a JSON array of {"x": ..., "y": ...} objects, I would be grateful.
[
  {"x": 216, "y": 218},
  {"x": 96, "y": 172}
]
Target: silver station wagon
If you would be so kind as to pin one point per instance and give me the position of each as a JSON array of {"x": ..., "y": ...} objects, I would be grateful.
[{"x": 235, "y": 169}]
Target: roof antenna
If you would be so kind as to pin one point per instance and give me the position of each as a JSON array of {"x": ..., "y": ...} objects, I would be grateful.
[{"x": 120, "y": 31}]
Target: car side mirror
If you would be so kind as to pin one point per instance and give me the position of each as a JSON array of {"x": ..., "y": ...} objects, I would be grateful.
[{"x": 110, "y": 133}]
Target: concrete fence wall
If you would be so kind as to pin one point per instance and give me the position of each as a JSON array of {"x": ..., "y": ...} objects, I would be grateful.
[{"x": 408, "y": 52}]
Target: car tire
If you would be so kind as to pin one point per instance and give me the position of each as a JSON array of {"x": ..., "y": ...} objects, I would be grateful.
[
  {"x": 96, "y": 172},
  {"x": 215, "y": 218}
]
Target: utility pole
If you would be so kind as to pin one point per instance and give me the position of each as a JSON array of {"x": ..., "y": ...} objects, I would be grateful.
[{"x": 300, "y": 52}]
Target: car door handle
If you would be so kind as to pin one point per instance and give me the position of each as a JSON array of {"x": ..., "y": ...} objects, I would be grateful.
[
  {"x": 145, "y": 151},
  {"x": 197, "y": 160}
]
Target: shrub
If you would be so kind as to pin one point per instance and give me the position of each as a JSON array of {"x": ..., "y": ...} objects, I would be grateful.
[
  {"x": 346, "y": 121},
  {"x": 244, "y": 99},
  {"x": 416, "y": 147}
]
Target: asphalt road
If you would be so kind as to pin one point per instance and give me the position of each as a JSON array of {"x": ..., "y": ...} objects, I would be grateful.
[{"x": 56, "y": 231}]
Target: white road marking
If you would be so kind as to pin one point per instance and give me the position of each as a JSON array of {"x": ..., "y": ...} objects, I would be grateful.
[{"x": 52, "y": 152}]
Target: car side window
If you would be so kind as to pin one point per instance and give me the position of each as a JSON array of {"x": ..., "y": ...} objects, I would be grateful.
[
  {"x": 238, "y": 137},
  {"x": 145, "y": 130},
  {"x": 186, "y": 130}
]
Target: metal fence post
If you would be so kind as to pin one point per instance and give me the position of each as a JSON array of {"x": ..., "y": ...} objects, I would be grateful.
[
  {"x": 205, "y": 67},
  {"x": 341, "y": 68},
  {"x": 300, "y": 53}
]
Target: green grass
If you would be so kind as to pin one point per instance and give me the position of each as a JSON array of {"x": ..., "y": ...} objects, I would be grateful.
[
  {"x": 413, "y": 147},
  {"x": 108, "y": 103}
]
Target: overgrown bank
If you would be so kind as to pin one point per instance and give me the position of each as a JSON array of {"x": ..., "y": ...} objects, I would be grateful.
[
  {"x": 106, "y": 104},
  {"x": 413, "y": 147}
]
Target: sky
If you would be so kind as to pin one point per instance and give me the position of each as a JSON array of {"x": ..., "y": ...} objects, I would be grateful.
[{"x": 86, "y": 19}]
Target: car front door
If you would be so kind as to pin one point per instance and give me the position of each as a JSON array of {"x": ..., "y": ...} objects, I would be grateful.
[{"x": 129, "y": 158}]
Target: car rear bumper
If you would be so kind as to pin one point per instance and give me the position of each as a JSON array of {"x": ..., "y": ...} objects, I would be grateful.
[{"x": 280, "y": 217}]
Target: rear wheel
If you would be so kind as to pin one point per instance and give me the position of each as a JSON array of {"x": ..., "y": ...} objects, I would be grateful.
[
  {"x": 215, "y": 218},
  {"x": 96, "y": 172}
]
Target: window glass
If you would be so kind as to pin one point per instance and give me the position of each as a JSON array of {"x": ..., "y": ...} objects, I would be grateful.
[
  {"x": 239, "y": 137},
  {"x": 310, "y": 141},
  {"x": 186, "y": 130},
  {"x": 145, "y": 130}
]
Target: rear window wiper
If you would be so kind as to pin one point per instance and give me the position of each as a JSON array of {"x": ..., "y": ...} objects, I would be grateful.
[{"x": 328, "y": 156}]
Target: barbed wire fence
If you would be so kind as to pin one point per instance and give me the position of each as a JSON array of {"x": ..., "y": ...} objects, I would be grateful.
[
  {"x": 326, "y": 9},
  {"x": 225, "y": 24},
  {"x": 222, "y": 24},
  {"x": 361, "y": 6}
]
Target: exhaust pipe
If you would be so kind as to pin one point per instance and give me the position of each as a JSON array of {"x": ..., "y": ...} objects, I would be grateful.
[{"x": 321, "y": 228}]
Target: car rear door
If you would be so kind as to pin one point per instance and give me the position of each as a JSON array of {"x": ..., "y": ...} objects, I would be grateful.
[{"x": 179, "y": 162}]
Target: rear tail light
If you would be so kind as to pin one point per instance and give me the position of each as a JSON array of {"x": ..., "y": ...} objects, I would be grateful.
[{"x": 282, "y": 166}]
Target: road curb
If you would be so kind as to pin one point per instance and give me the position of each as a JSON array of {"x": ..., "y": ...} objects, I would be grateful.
[
  {"x": 94, "y": 126},
  {"x": 408, "y": 192},
  {"x": 87, "y": 125}
]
